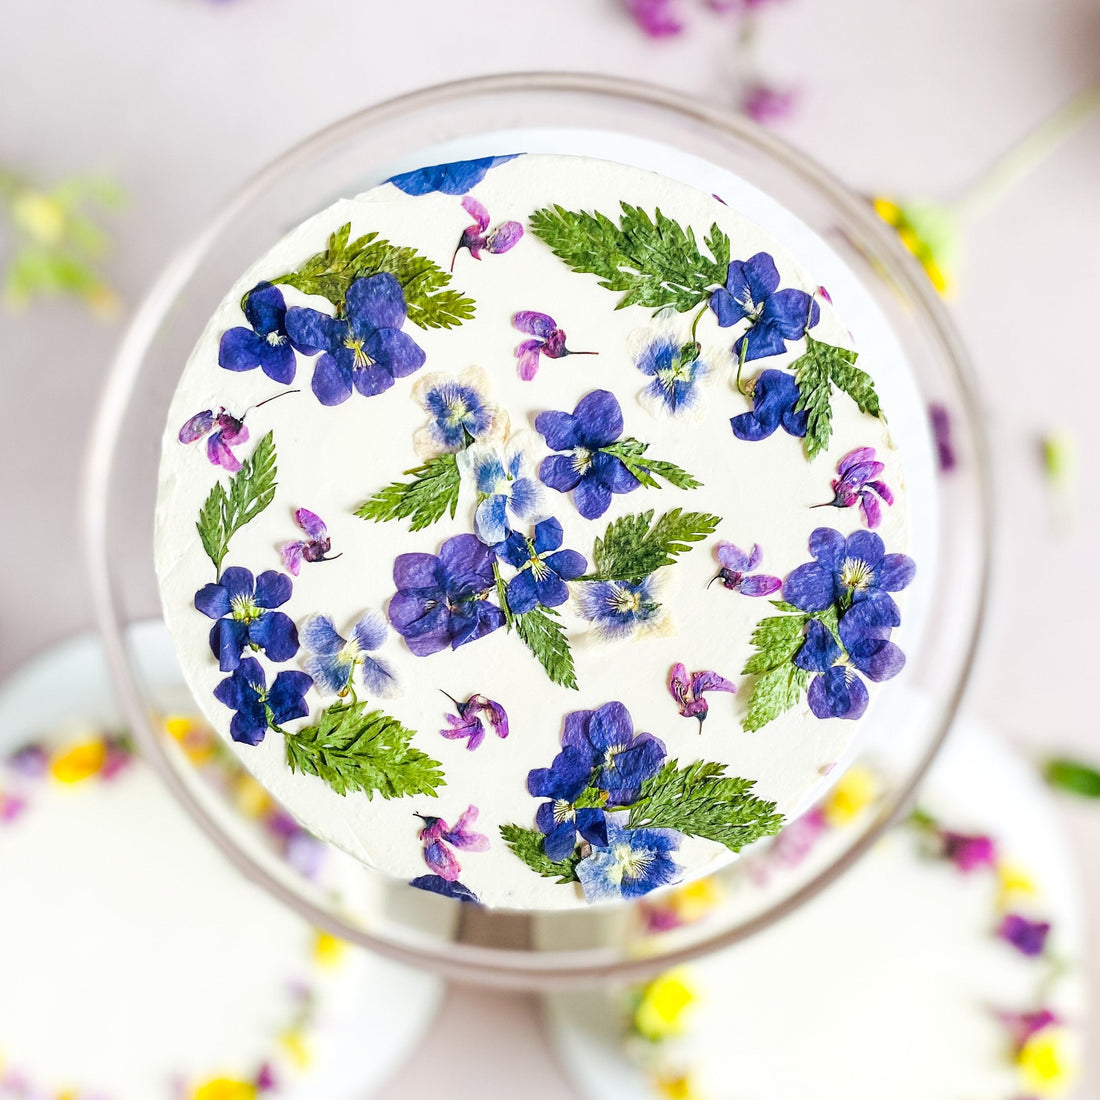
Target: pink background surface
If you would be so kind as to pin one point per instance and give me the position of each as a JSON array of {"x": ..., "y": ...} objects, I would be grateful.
[{"x": 180, "y": 100}]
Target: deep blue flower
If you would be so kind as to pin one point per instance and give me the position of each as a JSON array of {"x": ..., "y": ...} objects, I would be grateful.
[
  {"x": 592, "y": 473},
  {"x": 257, "y": 707},
  {"x": 838, "y": 693},
  {"x": 543, "y": 568},
  {"x": 459, "y": 411},
  {"x": 506, "y": 487},
  {"x": 242, "y": 606},
  {"x": 632, "y": 863},
  {"x": 774, "y": 397},
  {"x": 620, "y": 609},
  {"x": 622, "y": 760},
  {"x": 562, "y": 783},
  {"x": 677, "y": 369},
  {"x": 441, "y": 601},
  {"x": 334, "y": 659},
  {"x": 367, "y": 350},
  {"x": 775, "y": 316},
  {"x": 455, "y": 178},
  {"x": 437, "y": 884},
  {"x": 265, "y": 344}
]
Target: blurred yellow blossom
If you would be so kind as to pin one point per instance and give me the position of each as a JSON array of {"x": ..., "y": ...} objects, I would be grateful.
[
  {"x": 76, "y": 762},
  {"x": 1045, "y": 1064},
  {"x": 294, "y": 1043},
  {"x": 853, "y": 793},
  {"x": 193, "y": 737},
  {"x": 328, "y": 949},
  {"x": 677, "y": 1086},
  {"x": 929, "y": 231},
  {"x": 225, "y": 1088},
  {"x": 1014, "y": 883},
  {"x": 664, "y": 1005},
  {"x": 251, "y": 798}
]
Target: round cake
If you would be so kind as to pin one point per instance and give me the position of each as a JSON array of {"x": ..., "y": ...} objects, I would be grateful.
[{"x": 533, "y": 529}]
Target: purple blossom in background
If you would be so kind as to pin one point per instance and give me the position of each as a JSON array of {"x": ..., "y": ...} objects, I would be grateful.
[
  {"x": 549, "y": 341},
  {"x": 622, "y": 759},
  {"x": 857, "y": 483},
  {"x": 314, "y": 547},
  {"x": 11, "y": 806},
  {"x": 467, "y": 722},
  {"x": 266, "y": 344},
  {"x": 736, "y": 565},
  {"x": 438, "y": 838},
  {"x": 656, "y": 18},
  {"x": 243, "y": 607},
  {"x": 774, "y": 316},
  {"x": 1023, "y": 1025},
  {"x": 543, "y": 567},
  {"x": 455, "y": 178},
  {"x": 225, "y": 432},
  {"x": 688, "y": 690},
  {"x": 633, "y": 862},
  {"x": 31, "y": 761},
  {"x": 258, "y": 707},
  {"x": 442, "y": 601},
  {"x": 775, "y": 398},
  {"x": 969, "y": 852},
  {"x": 1029, "y": 937},
  {"x": 766, "y": 104},
  {"x": 437, "y": 884},
  {"x": 562, "y": 784},
  {"x": 591, "y": 474},
  {"x": 478, "y": 236},
  {"x": 367, "y": 350},
  {"x": 941, "y": 432}
]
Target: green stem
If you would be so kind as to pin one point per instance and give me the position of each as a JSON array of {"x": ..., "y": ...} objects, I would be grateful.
[
  {"x": 502, "y": 596},
  {"x": 741, "y": 363},
  {"x": 695, "y": 322}
]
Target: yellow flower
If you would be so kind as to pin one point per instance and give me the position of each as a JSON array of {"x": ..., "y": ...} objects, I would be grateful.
[
  {"x": 252, "y": 800},
  {"x": 677, "y": 1086},
  {"x": 294, "y": 1043},
  {"x": 854, "y": 792},
  {"x": 225, "y": 1088},
  {"x": 193, "y": 737},
  {"x": 1044, "y": 1062},
  {"x": 79, "y": 761},
  {"x": 696, "y": 900},
  {"x": 663, "y": 1006},
  {"x": 328, "y": 949},
  {"x": 40, "y": 216},
  {"x": 928, "y": 231},
  {"x": 1015, "y": 883}
]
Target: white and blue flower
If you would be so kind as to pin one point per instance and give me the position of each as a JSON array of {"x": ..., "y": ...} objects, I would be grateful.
[
  {"x": 679, "y": 369},
  {"x": 333, "y": 659},
  {"x": 633, "y": 862},
  {"x": 507, "y": 490},
  {"x": 619, "y": 610},
  {"x": 459, "y": 412}
]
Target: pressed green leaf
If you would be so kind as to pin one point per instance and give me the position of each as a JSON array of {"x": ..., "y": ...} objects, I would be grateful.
[
  {"x": 432, "y": 493},
  {"x": 777, "y": 640},
  {"x": 773, "y": 692},
  {"x": 632, "y": 454},
  {"x": 543, "y": 634},
  {"x": 634, "y": 546},
  {"x": 528, "y": 845}
]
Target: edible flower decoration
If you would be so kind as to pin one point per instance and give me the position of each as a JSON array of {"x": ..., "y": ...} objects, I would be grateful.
[
  {"x": 559, "y": 818},
  {"x": 1029, "y": 937},
  {"x": 333, "y": 659},
  {"x": 678, "y": 369},
  {"x": 688, "y": 690},
  {"x": 549, "y": 340},
  {"x": 664, "y": 1006},
  {"x": 439, "y": 838},
  {"x": 437, "y": 884},
  {"x": 243, "y": 607},
  {"x": 736, "y": 571},
  {"x": 459, "y": 411},
  {"x": 223, "y": 430},
  {"x": 479, "y": 236},
  {"x": 467, "y": 722},
  {"x": 543, "y": 567},
  {"x": 265, "y": 343},
  {"x": 969, "y": 852},
  {"x": 857, "y": 482},
  {"x": 619, "y": 610},
  {"x": 775, "y": 398},
  {"x": 257, "y": 707},
  {"x": 633, "y": 862},
  {"x": 313, "y": 548},
  {"x": 454, "y": 178},
  {"x": 507, "y": 490}
]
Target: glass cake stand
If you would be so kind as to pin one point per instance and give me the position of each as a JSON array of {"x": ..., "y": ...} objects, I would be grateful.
[{"x": 544, "y": 112}]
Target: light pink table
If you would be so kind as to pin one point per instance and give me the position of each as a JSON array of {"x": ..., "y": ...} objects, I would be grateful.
[{"x": 180, "y": 100}]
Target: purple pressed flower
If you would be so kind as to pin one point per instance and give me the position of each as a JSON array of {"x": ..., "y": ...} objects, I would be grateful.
[
  {"x": 479, "y": 236},
  {"x": 455, "y": 178},
  {"x": 941, "y": 433},
  {"x": 437, "y": 884},
  {"x": 622, "y": 760},
  {"x": 766, "y": 104},
  {"x": 467, "y": 722},
  {"x": 774, "y": 316},
  {"x": 633, "y": 862},
  {"x": 1029, "y": 937},
  {"x": 332, "y": 659},
  {"x": 562, "y": 784},
  {"x": 366, "y": 350},
  {"x": 549, "y": 341},
  {"x": 1023, "y": 1025},
  {"x": 688, "y": 690},
  {"x": 592, "y": 474},
  {"x": 258, "y": 707},
  {"x": 507, "y": 490},
  {"x": 543, "y": 567},
  {"x": 656, "y": 18},
  {"x": 736, "y": 565},
  {"x": 443, "y": 601},
  {"x": 242, "y": 606},
  {"x": 438, "y": 838},
  {"x": 969, "y": 852},
  {"x": 775, "y": 399},
  {"x": 266, "y": 344},
  {"x": 225, "y": 432},
  {"x": 619, "y": 610},
  {"x": 857, "y": 483},
  {"x": 314, "y": 547},
  {"x": 836, "y": 691}
]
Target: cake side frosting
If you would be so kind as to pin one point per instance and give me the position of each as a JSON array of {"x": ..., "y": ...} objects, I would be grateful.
[{"x": 493, "y": 550}]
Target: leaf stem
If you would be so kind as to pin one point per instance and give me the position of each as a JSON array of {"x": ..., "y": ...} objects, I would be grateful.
[
  {"x": 741, "y": 363},
  {"x": 697, "y": 318}
]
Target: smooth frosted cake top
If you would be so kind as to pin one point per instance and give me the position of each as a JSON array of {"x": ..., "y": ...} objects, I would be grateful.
[{"x": 524, "y": 588}]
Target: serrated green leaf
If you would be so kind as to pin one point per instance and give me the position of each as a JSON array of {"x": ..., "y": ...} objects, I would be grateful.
[
  {"x": 652, "y": 260},
  {"x": 353, "y": 748},
  {"x": 700, "y": 800},
  {"x": 542, "y": 632},
  {"x": 432, "y": 493},
  {"x": 631, "y": 549},
  {"x": 856, "y": 383},
  {"x": 251, "y": 490},
  {"x": 777, "y": 640},
  {"x": 529, "y": 846},
  {"x": 1073, "y": 776},
  {"x": 632, "y": 454},
  {"x": 773, "y": 692}
]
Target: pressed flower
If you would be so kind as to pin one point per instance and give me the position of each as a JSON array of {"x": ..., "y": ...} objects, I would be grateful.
[
  {"x": 333, "y": 659},
  {"x": 438, "y": 838},
  {"x": 549, "y": 340},
  {"x": 459, "y": 412},
  {"x": 688, "y": 690},
  {"x": 1029, "y": 937},
  {"x": 969, "y": 852},
  {"x": 591, "y": 474},
  {"x": 562, "y": 784},
  {"x": 479, "y": 236},
  {"x": 736, "y": 571},
  {"x": 620, "y": 760},
  {"x": 508, "y": 491},
  {"x": 1045, "y": 1064},
  {"x": 265, "y": 344},
  {"x": 836, "y": 692},
  {"x": 437, "y": 884},
  {"x": 467, "y": 722},
  {"x": 634, "y": 862},
  {"x": 543, "y": 567},
  {"x": 442, "y": 601},
  {"x": 255, "y": 705},
  {"x": 81, "y": 761},
  {"x": 775, "y": 397},
  {"x": 243, "y": 606},
  {"x": 365, "y": 351},
  {"x": 313, "y": 548},
  {"x": 853, "y": 793},
  {"x": 223, "y": 432},
  {"x": 619, "y": 610},
  {"x": 774, "y": 316},
  {"x": 678, "y": 369},
  {"x": 664, "y": 1006},
  {"x": 455, "y": 178},
  {"x": 857, "y": 482}
]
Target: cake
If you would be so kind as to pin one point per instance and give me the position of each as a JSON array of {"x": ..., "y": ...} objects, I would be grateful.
[{"x": 533, "y": 531}]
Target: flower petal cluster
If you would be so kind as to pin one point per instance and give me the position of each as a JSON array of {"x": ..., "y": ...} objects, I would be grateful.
[
  {"x": 242, "y": 606},
  {"x": 257, "y": 706},
  {"x": 265, "y": 343},
  {"x": 333, "y": 659}
]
